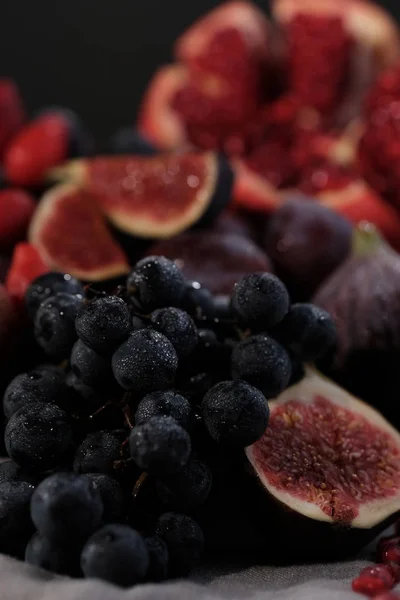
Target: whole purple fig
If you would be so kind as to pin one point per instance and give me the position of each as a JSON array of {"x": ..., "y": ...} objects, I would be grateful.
[
  {"x": 306, "y": 242},
  {"x": 363, "y": 296}
]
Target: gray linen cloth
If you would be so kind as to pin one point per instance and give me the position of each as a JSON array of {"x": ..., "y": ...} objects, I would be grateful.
[{"x": 19, "y": 581}]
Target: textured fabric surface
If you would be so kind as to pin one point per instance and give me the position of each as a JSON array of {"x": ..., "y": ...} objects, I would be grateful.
[{"x": 310, "y": 582}]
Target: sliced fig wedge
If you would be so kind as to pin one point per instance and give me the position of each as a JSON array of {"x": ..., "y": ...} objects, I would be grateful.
[
  {"x": 321, "y": 484},
  {"x": 324, "y": 481},
  {"x": 71, "y": 235},
  {"x": 329, "y": 456},
  {"x": 155, "y": 197}
]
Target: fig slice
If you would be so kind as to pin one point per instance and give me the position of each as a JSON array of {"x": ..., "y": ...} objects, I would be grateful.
[
  {"x": 158, "y": 196},
  {"x": 71, "y": 235},
  {"x": 329, "y": 457}
]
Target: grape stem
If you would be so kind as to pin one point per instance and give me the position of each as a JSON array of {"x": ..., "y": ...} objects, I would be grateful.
[
  {"x": 242, "y": 335},
  {"x": 128, "y": 416},
  {"x": 140, "y": 315},
  {"x": 100, "y": 410},
  {"x": 139, "y": 484},
  {"x": 64, "y": 364},
  {"x": 90, "y": 290},
  {"x": 124, "y": 443}
]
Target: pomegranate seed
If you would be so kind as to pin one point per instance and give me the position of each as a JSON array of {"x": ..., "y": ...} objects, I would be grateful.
[
  {"x": 389, "y": 550},
  {"x": 395, "y": 571},
  {"x": 374, "y": 580}
]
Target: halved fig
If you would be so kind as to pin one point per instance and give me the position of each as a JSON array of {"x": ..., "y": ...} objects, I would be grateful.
[
  {"x": 154, "y": 197},
  {"x": 330, "y": 468},
  {"x": 239, "y": 15},
  {"x": 71, "y": 235},
  {"x": 216, "y": 260},
  {"x": 157, "y": 121},
  {"x": 367, "y": 22}
]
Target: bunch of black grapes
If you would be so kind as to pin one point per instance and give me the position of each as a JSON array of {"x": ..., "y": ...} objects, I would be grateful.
[{"x": 112, "y": 442}]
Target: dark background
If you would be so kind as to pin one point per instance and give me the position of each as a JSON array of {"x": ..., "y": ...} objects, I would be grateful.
[{"x": 94, "y": 56}]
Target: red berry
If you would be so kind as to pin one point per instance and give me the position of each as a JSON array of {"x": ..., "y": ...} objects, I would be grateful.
[
  {"x": 12, "y": 114},
  {"x": 395, "y": 571},
  {"x": 26, "y": 265},
  {"x": 16, "y": 210},
  {"x": 374, "y": 580},
  {"x": 38, "y": 147},
  {"x": 389, "y": 550}
]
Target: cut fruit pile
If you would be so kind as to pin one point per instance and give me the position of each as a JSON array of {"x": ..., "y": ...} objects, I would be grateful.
[
  {"x": 283, "y": 101},
  {"x": 158, "y": 393},
  {"x": 179, "y": 400},
  {"x": 303, "y": 103}
]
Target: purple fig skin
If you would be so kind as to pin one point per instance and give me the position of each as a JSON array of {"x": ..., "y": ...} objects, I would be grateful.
[
  {"x": 240, "y": 223},
  {"x": 306, "y": 242},
  {"x": 216, "y": 260},
  {"x": 363, "y": 296}
]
